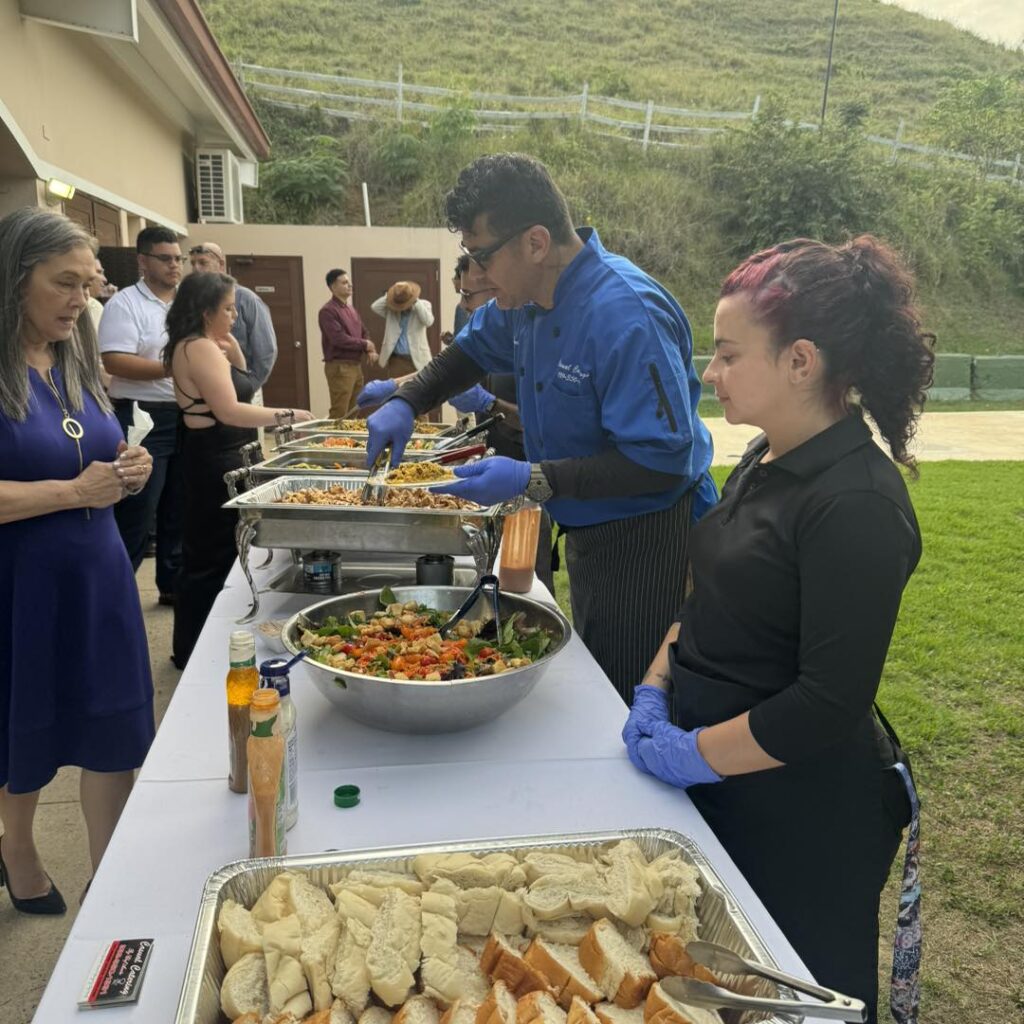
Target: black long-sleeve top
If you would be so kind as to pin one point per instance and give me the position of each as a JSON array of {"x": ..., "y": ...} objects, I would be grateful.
[{"x": 798, "y": 575}]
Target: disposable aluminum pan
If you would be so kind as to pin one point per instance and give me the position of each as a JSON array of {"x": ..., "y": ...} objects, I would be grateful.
[
  {"x": 721, "y": 918},
  {"x": 355, "y": 528},
  {"x": 418, "y": 706}
]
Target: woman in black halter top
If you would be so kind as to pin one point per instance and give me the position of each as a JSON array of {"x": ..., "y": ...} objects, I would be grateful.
[{"x": 215, "y": 393}]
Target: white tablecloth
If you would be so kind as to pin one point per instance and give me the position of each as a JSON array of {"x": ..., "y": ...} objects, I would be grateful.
[{"x": 553, "y": 764}]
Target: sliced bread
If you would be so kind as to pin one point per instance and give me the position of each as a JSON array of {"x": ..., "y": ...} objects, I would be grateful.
[
  {"x": 417, "y": 1010},
  {"x": 275, "y": 901},
  {"x": 394, "y": 951},
  {"x": 560, "y": 964},
  {"x": 498, "y": 1008},
  {"x": 453, "y": 978},
  {"x": 661, "y": 1008},
  {"x": 566, "y": 930},
  {"x": 244, "y": 989},
  {"x": 375, "y": 1015},
  {"x": 623, "y": 974},
  {"x": 609, "y": 1013},
  {"x": 539, "y": 1008},
  {"x": 340, "y": 1014},
  {"x": 318, "y": 957},
  {"x": 351, "y": 980},
  {"x": 500, "y": 961},
  {"x": 668, "y": 956},
  {"x": 462, "y": 1011},
  {"x": 581, "y": 1013},
  {"x": 312, "y": 905},
  {"x": 350, "y": 904},
  {"x": 286, "y": 981},
  {"x": 239, "y": 932}
]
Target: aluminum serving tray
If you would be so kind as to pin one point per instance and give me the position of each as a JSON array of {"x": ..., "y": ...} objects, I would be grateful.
[
  {"x": 721, "y": 918},
  {"x": 306, "y": 443}
]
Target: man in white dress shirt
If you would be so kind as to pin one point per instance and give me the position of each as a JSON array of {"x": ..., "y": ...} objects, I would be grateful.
[{"x": 133, "y": 332}]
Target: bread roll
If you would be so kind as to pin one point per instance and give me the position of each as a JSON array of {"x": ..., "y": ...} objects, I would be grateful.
[
  {"x": 563, "y": 970},
  {"x": 668, "y": 956},
  {"x": 498, "y": 1008},
  {"x": 581, "y": 1013},
  {"x": 501, "y": 962},
  {"x": 623, "y": 974},
  {"x": 539, "y": 1008},
  {"x": 661, "y": 1008},
  {"x": 244, "y": 989}
]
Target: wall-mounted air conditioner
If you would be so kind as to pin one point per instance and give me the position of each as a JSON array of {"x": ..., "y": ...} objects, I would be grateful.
[{"x": 218, "y": 186}]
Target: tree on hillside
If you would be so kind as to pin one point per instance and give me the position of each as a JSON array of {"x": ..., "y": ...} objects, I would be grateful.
[{"x": 981, "y": 116}]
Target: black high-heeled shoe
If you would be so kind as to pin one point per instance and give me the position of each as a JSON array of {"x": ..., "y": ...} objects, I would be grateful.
[{"x": 51, "y": 903}]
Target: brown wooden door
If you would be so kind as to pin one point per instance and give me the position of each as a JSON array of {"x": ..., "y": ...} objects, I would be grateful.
[
  {"x": 277, "y": 280},
  {"x": 371, "y": 278},
  {"x": 97, "y": 218}
]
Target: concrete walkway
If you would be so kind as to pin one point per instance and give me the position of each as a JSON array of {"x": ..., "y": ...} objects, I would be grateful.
[
  {"x": 966, "y": 436},
  {"x": 35, "y": 943}
]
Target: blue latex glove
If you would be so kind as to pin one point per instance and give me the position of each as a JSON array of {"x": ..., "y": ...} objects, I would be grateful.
[
  {"x": 650, "y": 706},
  {"x": 671, "y": 754},
  {"x": 488, "y": 481},
  {"x": 476, "y": 399},
  {"x": 375, "y": 392},
  {"x": 391, "y": 423}
]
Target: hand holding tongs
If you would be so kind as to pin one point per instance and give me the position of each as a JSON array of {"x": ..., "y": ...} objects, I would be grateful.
[
  {"x": 372, "y": 492},
  {"x": 487, "y": 585},
  {"x": 446, "y": 455},
  {"x": 834, "y": 1005}
]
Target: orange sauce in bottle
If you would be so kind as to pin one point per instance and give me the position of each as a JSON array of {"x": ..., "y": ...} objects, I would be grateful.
[{"x": 242, "y": 682}]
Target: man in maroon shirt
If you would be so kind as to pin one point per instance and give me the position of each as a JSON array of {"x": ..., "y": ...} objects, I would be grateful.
[{"x": 345, "y": 341}]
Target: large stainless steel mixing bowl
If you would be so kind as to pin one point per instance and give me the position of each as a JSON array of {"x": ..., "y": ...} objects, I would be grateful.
[{"x": 422, "y": 707}]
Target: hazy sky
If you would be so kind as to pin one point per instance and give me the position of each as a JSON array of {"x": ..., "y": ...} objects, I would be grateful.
[{"x": 999, "y": 20}]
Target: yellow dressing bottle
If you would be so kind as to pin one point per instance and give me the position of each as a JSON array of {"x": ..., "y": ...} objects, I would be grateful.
[{"x": 242, "y": 682}]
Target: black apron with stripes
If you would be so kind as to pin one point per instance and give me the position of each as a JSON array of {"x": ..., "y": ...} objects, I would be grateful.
[{"x": 627, "y": 581}]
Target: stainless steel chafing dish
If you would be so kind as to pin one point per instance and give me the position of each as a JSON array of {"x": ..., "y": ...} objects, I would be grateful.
[
  {"x": 328, "y": 426},
  {"x": 264, "y": 522},
  {"x": 721, "y": 918},
  {"x": 314, "y": 443},
  {"x": 328, "y": 462}
]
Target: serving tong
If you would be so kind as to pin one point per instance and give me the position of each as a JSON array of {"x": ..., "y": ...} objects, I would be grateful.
[
  {"x": 374, "y": 490},
  {"x": 488, "y": 586},
  {"x": 833, "y": 1006},
  {"x": 456, "y": 440}
]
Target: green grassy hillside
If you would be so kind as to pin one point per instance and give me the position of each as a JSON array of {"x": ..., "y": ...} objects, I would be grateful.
[
  {"x": 682, "y": 215},
  {"x": 715, "y": 54}
]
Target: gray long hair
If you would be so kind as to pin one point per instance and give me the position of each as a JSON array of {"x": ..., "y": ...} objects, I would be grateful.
[{"x": 29, "y": 237}]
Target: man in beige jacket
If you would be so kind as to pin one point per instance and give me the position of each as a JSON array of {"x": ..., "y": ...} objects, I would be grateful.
[{"x": 405, "y": 348}]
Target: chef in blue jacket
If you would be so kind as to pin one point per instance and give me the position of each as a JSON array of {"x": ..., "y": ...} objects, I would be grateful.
[{"x": 607, "y": 394}]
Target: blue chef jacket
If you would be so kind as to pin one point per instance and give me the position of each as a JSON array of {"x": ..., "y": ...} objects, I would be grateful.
[{"x": 609, "y": 366}]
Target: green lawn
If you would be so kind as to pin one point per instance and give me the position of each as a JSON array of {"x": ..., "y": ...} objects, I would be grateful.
[{"x": 954, "y": 690}]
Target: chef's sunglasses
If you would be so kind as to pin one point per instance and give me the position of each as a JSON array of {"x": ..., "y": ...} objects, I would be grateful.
[{"x": 481, "y": 257}]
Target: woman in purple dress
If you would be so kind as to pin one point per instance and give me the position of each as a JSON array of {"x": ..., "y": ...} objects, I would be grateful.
[{"x": 75, "y": 686}]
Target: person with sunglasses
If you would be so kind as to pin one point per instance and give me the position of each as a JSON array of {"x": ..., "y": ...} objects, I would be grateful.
[
  {"x": 133, "y": 332},
  {"x": 607, "y": 395}
]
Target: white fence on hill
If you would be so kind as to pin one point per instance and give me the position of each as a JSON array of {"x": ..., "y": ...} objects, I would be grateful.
[{"x": 652, "y": 124}]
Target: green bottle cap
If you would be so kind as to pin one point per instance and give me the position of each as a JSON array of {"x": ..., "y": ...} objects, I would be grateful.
[{"x": 346, "y": 796}]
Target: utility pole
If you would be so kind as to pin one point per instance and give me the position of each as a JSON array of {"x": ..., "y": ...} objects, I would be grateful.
[{"x": 828, "y": 68}]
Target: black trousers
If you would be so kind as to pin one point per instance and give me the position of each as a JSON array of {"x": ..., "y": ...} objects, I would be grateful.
[
  {"x": 159, "y": 503},
  {"x": 208, "y": 541},
  {"x": 816, "y": 841},
  {"x": 627, "y": 580}
]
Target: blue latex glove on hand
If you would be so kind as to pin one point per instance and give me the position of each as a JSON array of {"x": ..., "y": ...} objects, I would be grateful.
[
  {"x": 671, "y": 754},
  {"x": 488, "y": 481},
  {"x": 476, "y": 399},
  {"x": 375, "y": 392},
  {"x": 390, "y": 424},
  {"x": 650, "y": 706}
]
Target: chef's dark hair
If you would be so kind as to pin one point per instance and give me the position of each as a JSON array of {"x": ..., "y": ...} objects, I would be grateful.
[
  {"x": 154, "y": 235},
  {"x": 513, "y": 191},
  {"x": 856, "y": 303},
  {"x": 198, "y": 294}
]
